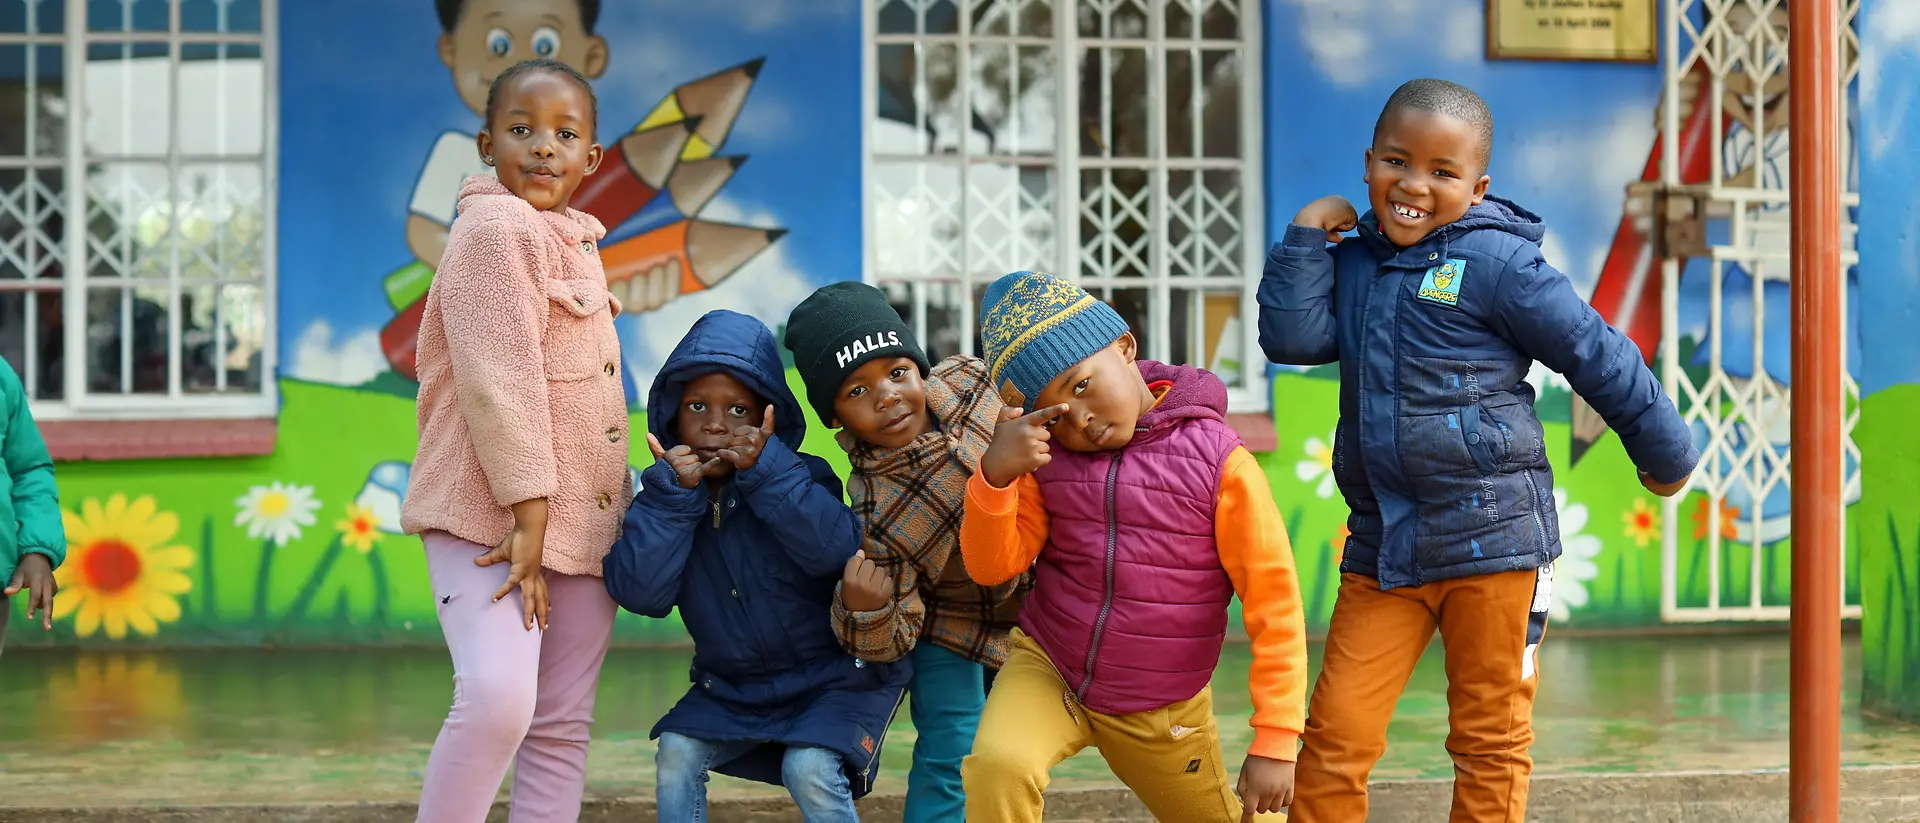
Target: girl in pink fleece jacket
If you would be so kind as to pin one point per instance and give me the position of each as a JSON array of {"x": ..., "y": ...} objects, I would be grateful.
[{"x": 521, "y": 480}]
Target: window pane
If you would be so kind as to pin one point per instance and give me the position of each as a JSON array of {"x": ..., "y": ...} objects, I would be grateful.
[
  {"x": 916, "y": 215},
  {"x": 918, "y": 17},
  {"x": 31, "y": 224},
  {"x": 1220, "y": 102},
  {"x": 1010, "y": 219},
  {"x": 32, "y": 102},
  {"x": 1204, "y": 223},
  {"x": 129, "y": 86},
  {"x": 30, "y": 341},
  {"x": 222, "y": 99},
  {"x": 33, "y": 17},
  {"x": 129, "y": 221},
  {"x": 1113, "y": 18},
  {"x": 1114, "y": 92},
  {"x": 1002, "y": 18},
  {"x": 127, "y": 15},
  {"x": 1222, "y": 337},
  {"x": 1013, "y": 94},
  {"x": 225, "y": 16},
  {"x": 1114, "y": 238},
  {"x": 1221, "y": 21},
  {"x": 221, "y": 335},
  {"x": 1179, "y": 102},
  {"x": 220, "y": 220}
]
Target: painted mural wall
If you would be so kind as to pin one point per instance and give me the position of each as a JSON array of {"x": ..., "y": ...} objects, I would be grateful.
[
  {"x": 738, "y": 127},
  {"x": 1890, "y": 266}
]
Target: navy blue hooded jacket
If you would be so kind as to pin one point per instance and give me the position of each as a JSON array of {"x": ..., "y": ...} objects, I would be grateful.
[
  {"x": 1438, "y": 451},
  {"x": 752, "y": 569}
]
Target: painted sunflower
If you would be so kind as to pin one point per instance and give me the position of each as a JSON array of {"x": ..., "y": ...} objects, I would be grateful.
[
  {"x": 360, "y": 529},
  {"x": 120, "y": 570},
  {"x": 1643, "y": 523}
]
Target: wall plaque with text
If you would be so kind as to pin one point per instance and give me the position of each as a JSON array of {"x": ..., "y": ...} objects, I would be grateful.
[{"x": 1611, "y": 30}]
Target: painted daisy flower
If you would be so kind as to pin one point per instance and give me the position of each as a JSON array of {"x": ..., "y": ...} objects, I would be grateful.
[
  {"x": 121, "y": 570},
  {"x": 1577, "y": 564},
  {"x": 277, "y": 512},
  {"x": 1317, "y": 467},
  {"x": 1643, "y": 523}
]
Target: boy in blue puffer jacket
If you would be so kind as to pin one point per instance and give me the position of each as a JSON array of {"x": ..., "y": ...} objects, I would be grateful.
[
  {"x": 747, "y": 537},
  {"x": 1435, "y": 313}
]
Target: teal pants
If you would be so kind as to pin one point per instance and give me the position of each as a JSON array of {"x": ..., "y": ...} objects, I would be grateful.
[{"x": 948, "y": 691}]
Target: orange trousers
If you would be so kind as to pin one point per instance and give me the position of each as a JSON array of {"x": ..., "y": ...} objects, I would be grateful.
[{"x": 1491, "y": 626}]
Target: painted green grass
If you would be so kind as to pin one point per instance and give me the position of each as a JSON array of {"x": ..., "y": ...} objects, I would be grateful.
[
  {"x": 330, "y": 437},
  {"x": 1887, "y": 523}
]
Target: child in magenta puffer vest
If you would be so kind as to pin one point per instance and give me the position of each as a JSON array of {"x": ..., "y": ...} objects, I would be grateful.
[{"x": 1139, "y": 530}]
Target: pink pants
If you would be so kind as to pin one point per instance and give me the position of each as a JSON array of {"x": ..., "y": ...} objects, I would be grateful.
[{"x": 521, "y": 697}]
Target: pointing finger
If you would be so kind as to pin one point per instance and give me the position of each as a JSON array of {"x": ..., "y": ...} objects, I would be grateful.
[
  {"x": 1040, "y": 417},
  {"x": 653, "y": 445},
  {"x": 1009, "y": 413},
  {"x": 767, "y": 426}
]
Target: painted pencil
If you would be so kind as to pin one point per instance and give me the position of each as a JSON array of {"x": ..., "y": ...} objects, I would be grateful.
[
  {"x": 633, "y": 172},
  {"x": 706, "y": 252},
  {"x": 695, "y": 182},
  {"x": 401, "y": 336},
  {"x": 716, "y": 99}
]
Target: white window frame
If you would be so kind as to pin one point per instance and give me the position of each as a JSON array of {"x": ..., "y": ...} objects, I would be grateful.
[
  {"x": 1252, "y": 394},
  {"x": 77, "y": 403}
]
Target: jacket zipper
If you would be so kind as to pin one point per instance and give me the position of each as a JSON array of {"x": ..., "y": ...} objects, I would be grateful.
[
  {"x": 1539, "y": 527},
  {"x": 716, "y": 512},
  {"x": 1106, "y": 599}
]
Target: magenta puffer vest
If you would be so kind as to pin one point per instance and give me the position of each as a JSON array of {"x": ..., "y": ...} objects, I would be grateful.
[{"x": 1129, "y": 597}]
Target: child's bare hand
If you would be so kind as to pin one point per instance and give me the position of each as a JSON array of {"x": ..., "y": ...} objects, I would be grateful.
[
  {"x": 1266, "y": 786},
  {"x": 522, "y": 548},
  {"x": 1333, "y": 214},
  {"x": 864, "y": 586},
  {"x": 685, "y": 464},
  {"x": 1663, "y": 489},
  {"x": 743, "y": 451},
  {"x": 35, "y": 574},
  {"x": 1019, "y": 445}
]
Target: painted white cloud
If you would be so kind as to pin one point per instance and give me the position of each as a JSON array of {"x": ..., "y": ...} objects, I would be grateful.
[
  {"x": 350, "y": 361},
  {"x": 767, "y": 287},
  {"x": 1889, "y": 29},
  {"x": 1345, "y": 38},
  {"x": 1612, "y": 152}
]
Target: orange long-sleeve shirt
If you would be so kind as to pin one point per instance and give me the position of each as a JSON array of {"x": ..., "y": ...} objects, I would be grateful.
[{"x": 1004, "y": 531}]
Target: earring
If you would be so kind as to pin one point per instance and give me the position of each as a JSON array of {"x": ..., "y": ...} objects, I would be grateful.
[{"x": 488, "y": 159}]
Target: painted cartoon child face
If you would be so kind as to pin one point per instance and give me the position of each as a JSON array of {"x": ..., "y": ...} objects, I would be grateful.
[{"x": 495, "y": 34}]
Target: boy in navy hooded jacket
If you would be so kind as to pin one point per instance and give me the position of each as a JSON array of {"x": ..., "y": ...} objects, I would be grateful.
[
  {"x": 1435, "y": 313},
  {"x": 747, "y": 537}
]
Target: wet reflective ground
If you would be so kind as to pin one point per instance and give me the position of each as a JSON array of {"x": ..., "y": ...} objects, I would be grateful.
[{"x": 288, "y": 725}]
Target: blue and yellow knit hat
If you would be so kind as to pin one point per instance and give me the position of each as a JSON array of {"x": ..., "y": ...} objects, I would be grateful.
[{"x": 1034, "y": 326}]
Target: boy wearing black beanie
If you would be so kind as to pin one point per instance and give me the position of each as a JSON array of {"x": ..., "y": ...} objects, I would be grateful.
[{"x": 914, "y": 435}]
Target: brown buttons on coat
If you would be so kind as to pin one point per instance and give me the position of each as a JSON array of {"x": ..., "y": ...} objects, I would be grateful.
[
  {"x": 613, "y": 435},
  {"x": 605, "y": 500},
  {"x": 609, "y": 369}
]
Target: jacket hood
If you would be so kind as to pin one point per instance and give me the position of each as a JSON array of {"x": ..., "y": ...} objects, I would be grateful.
[
  {"x": 739, "y": 345},
  {"x": 484, "y": 193},
  {"x": 1493, "y": 213},
  {"x": 1196, "y": 394}
]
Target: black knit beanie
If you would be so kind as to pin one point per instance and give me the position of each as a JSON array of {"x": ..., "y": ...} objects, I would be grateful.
[{"x": 836, "y": 330}]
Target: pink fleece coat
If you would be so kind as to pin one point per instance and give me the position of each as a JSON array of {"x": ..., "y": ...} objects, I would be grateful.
[{"x": 520, "y": 392}]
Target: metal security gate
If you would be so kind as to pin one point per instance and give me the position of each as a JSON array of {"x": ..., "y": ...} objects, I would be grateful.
[{"x": 1720, "y": 215}]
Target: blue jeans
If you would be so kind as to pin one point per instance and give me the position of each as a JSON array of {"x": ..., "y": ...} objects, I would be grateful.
[
  {"x": 815, "y": 778},
  {"x": 948, "y": 695}
]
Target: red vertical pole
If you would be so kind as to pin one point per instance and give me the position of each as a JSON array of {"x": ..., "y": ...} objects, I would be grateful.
[{"x": 1818, "y": 397}]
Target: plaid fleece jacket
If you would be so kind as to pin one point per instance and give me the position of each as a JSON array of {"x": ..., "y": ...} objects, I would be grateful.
[{"x": 910, "y": 500}]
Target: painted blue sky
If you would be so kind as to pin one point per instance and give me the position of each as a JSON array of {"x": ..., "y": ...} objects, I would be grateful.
[{"x": 364, "y": 95}]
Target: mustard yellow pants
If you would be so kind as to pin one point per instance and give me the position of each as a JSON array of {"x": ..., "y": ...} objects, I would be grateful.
[
  {"x": 1169, "y": 757},
  {"x": 1492, "y": 625}
]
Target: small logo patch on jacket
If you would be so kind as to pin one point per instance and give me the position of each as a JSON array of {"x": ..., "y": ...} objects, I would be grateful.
[
  {"x": 866, "y": 742},
  {"x": 1442, "y": 283},
  {"x": 1193, "y": 765}
]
